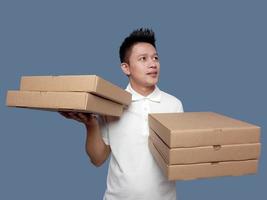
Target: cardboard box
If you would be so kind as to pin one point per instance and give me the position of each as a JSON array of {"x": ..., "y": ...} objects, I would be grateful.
[
  {"x": 60, "y": 101},
  {"x": 203, "y": 170},
  {"x": 79, "y": 83},
  {"x": 215, "y": 153},
  {"x": 194, "y": 129}
]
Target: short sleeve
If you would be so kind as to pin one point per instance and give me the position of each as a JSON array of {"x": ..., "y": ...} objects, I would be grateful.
[
  {"x": 179, "y": 106},
  {"x": 104, "y": 129}
]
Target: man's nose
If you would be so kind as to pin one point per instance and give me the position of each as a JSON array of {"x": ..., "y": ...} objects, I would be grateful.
[{"x": 153, "y": 63}]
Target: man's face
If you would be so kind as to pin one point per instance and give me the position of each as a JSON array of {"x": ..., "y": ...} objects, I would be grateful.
[{"x": 143, "y": 65}]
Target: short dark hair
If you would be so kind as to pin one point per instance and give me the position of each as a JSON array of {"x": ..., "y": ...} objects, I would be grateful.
[{"x": 138, "y": 35}]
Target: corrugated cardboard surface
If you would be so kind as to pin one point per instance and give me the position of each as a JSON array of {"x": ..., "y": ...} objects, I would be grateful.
[
  {"x": 77, "y": 101},
  {"x": 193, "y": 129},
  {"x": 79, "y": 83},
  {"x": 202, "y": 154},
  {"x": 204, "y": 170}
]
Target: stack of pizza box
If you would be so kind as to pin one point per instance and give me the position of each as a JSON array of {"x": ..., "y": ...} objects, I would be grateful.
[
  {"x": 196, "y": 145},
  {"x": 80, "y": 93}
]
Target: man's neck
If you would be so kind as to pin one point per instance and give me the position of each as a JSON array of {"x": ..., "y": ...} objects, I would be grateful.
[{"x": 144, "y": 91}]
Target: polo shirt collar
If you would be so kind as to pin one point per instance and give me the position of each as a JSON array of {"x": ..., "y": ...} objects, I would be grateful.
[{"x": 155, "y": 96}]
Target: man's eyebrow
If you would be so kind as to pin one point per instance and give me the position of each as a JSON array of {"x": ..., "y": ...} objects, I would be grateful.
[
  {"x": 145, "y": 54},
  {"x": 142, "y": 54}
]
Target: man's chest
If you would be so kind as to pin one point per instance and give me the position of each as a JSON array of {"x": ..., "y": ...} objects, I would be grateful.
[{"x": 134, "y": 121}]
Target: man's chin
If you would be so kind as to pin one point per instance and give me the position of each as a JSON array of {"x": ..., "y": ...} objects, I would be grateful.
[{"x": 152, "y": 83}]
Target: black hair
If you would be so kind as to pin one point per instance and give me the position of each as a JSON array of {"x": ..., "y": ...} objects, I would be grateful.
[{"x": 139, "y": 35}]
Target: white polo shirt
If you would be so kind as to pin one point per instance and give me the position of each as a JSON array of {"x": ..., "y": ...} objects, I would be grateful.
[{"x": 133, "y": 173}]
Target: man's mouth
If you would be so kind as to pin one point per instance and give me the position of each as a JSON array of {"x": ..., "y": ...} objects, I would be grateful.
[{"x": 152, "y": 73}]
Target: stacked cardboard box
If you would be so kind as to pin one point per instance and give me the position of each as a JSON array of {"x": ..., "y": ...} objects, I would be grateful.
[
  {"x": 203, "y": 144},
  {"x": 82, "y": 93}
]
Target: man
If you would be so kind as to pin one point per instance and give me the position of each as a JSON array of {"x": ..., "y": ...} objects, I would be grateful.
[{"x": 133, "y": 173}]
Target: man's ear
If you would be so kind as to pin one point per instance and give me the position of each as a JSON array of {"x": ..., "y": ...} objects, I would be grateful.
[{"x": 125, "y": 68}]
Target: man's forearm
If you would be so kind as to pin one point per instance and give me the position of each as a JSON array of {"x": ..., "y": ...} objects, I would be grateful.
[{"x": 96, "y": 149}]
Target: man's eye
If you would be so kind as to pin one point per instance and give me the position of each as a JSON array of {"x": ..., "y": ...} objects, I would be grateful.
[
  {"x": 143, "y": 58},
  {"x": 156, "y": 58}
]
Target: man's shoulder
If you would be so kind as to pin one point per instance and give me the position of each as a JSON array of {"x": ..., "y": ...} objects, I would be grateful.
[{"x": 168, "y": 98}]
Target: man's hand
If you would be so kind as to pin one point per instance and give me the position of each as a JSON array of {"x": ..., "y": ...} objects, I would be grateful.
[{"x": 87, "y": 119}]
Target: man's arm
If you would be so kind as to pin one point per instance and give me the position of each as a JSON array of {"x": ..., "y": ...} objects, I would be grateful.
[{"x": 96, "y": 149}]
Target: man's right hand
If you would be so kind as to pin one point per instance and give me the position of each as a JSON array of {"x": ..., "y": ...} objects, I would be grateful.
[{"x": 88, "y": 119}]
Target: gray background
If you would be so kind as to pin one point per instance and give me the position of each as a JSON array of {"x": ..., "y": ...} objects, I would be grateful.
[{"x": 213, "y": 57}]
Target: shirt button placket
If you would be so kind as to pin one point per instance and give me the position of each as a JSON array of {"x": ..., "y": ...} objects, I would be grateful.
[
  {"x": 145, "y": 117},
  {"x": 146, "y": 109}
]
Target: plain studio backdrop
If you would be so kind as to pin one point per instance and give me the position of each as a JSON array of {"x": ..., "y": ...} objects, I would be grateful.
[{"x": 213, "y": 57}]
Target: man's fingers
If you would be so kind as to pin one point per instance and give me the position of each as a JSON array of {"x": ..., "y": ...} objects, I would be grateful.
[
  {"x": 75, "y": 116},
  {"x": 71, "y": 115},
  {"x": 65, "y": 114},
  {"x": 84, "y": 117},
  {"x": 89, "y": 119}
]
